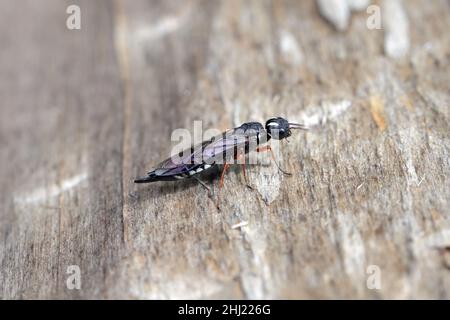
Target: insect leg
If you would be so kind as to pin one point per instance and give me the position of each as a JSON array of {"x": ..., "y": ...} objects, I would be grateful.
[
  {"x": 247, "y": 183},
  {"x": 268, "y": 148},
  {"x": 245, "y": 177},
  {"x": 222, "y": 176},
  {"x": 210, "y": 193}
]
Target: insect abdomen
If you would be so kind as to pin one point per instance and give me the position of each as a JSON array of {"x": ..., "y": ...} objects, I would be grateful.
[
  {"x": 154, "y": 176},
  {"x": 197, "y": 170},
  {"x": 150, "y": 177}
]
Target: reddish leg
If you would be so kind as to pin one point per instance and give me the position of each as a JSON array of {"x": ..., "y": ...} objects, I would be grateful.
[
  {"x": 222, "y": 177},
  {"x": 210, "y": 193},
  {"x": 245, "y": 176},
  {"x": 268, "y": 148},
  {"x": 244, "y": 167}
]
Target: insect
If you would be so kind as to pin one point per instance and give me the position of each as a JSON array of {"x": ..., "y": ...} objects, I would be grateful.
[{"x": 223, "y": 150}]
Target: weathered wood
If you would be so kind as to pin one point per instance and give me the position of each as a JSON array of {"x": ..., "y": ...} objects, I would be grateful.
[{"x": 86, "y": 111}]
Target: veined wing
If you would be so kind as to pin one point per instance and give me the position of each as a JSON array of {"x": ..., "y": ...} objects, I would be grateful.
[
  {"x": 183, "y": 162},
  {"x": 231, "y": 145},
  {"x": 216, "y": 150}
]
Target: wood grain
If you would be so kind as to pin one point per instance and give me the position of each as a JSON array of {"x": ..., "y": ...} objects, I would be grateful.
[{"x": 86, "y": 111}]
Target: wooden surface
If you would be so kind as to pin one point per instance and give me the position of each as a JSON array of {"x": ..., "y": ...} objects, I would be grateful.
[{"x": 83, "y": 112}]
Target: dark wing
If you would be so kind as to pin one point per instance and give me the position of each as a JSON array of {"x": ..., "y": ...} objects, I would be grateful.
[
  {"x": 216, "y": 150},
  {"x": 232, "y": 144},
  {"x": 226, "y": 146}
]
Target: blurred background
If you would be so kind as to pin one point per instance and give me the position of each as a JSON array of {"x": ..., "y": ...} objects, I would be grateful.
[{"x": 91, "y": 91}]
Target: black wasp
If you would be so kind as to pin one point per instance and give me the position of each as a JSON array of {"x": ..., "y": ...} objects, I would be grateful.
[{"x": 223, "y": 150}]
